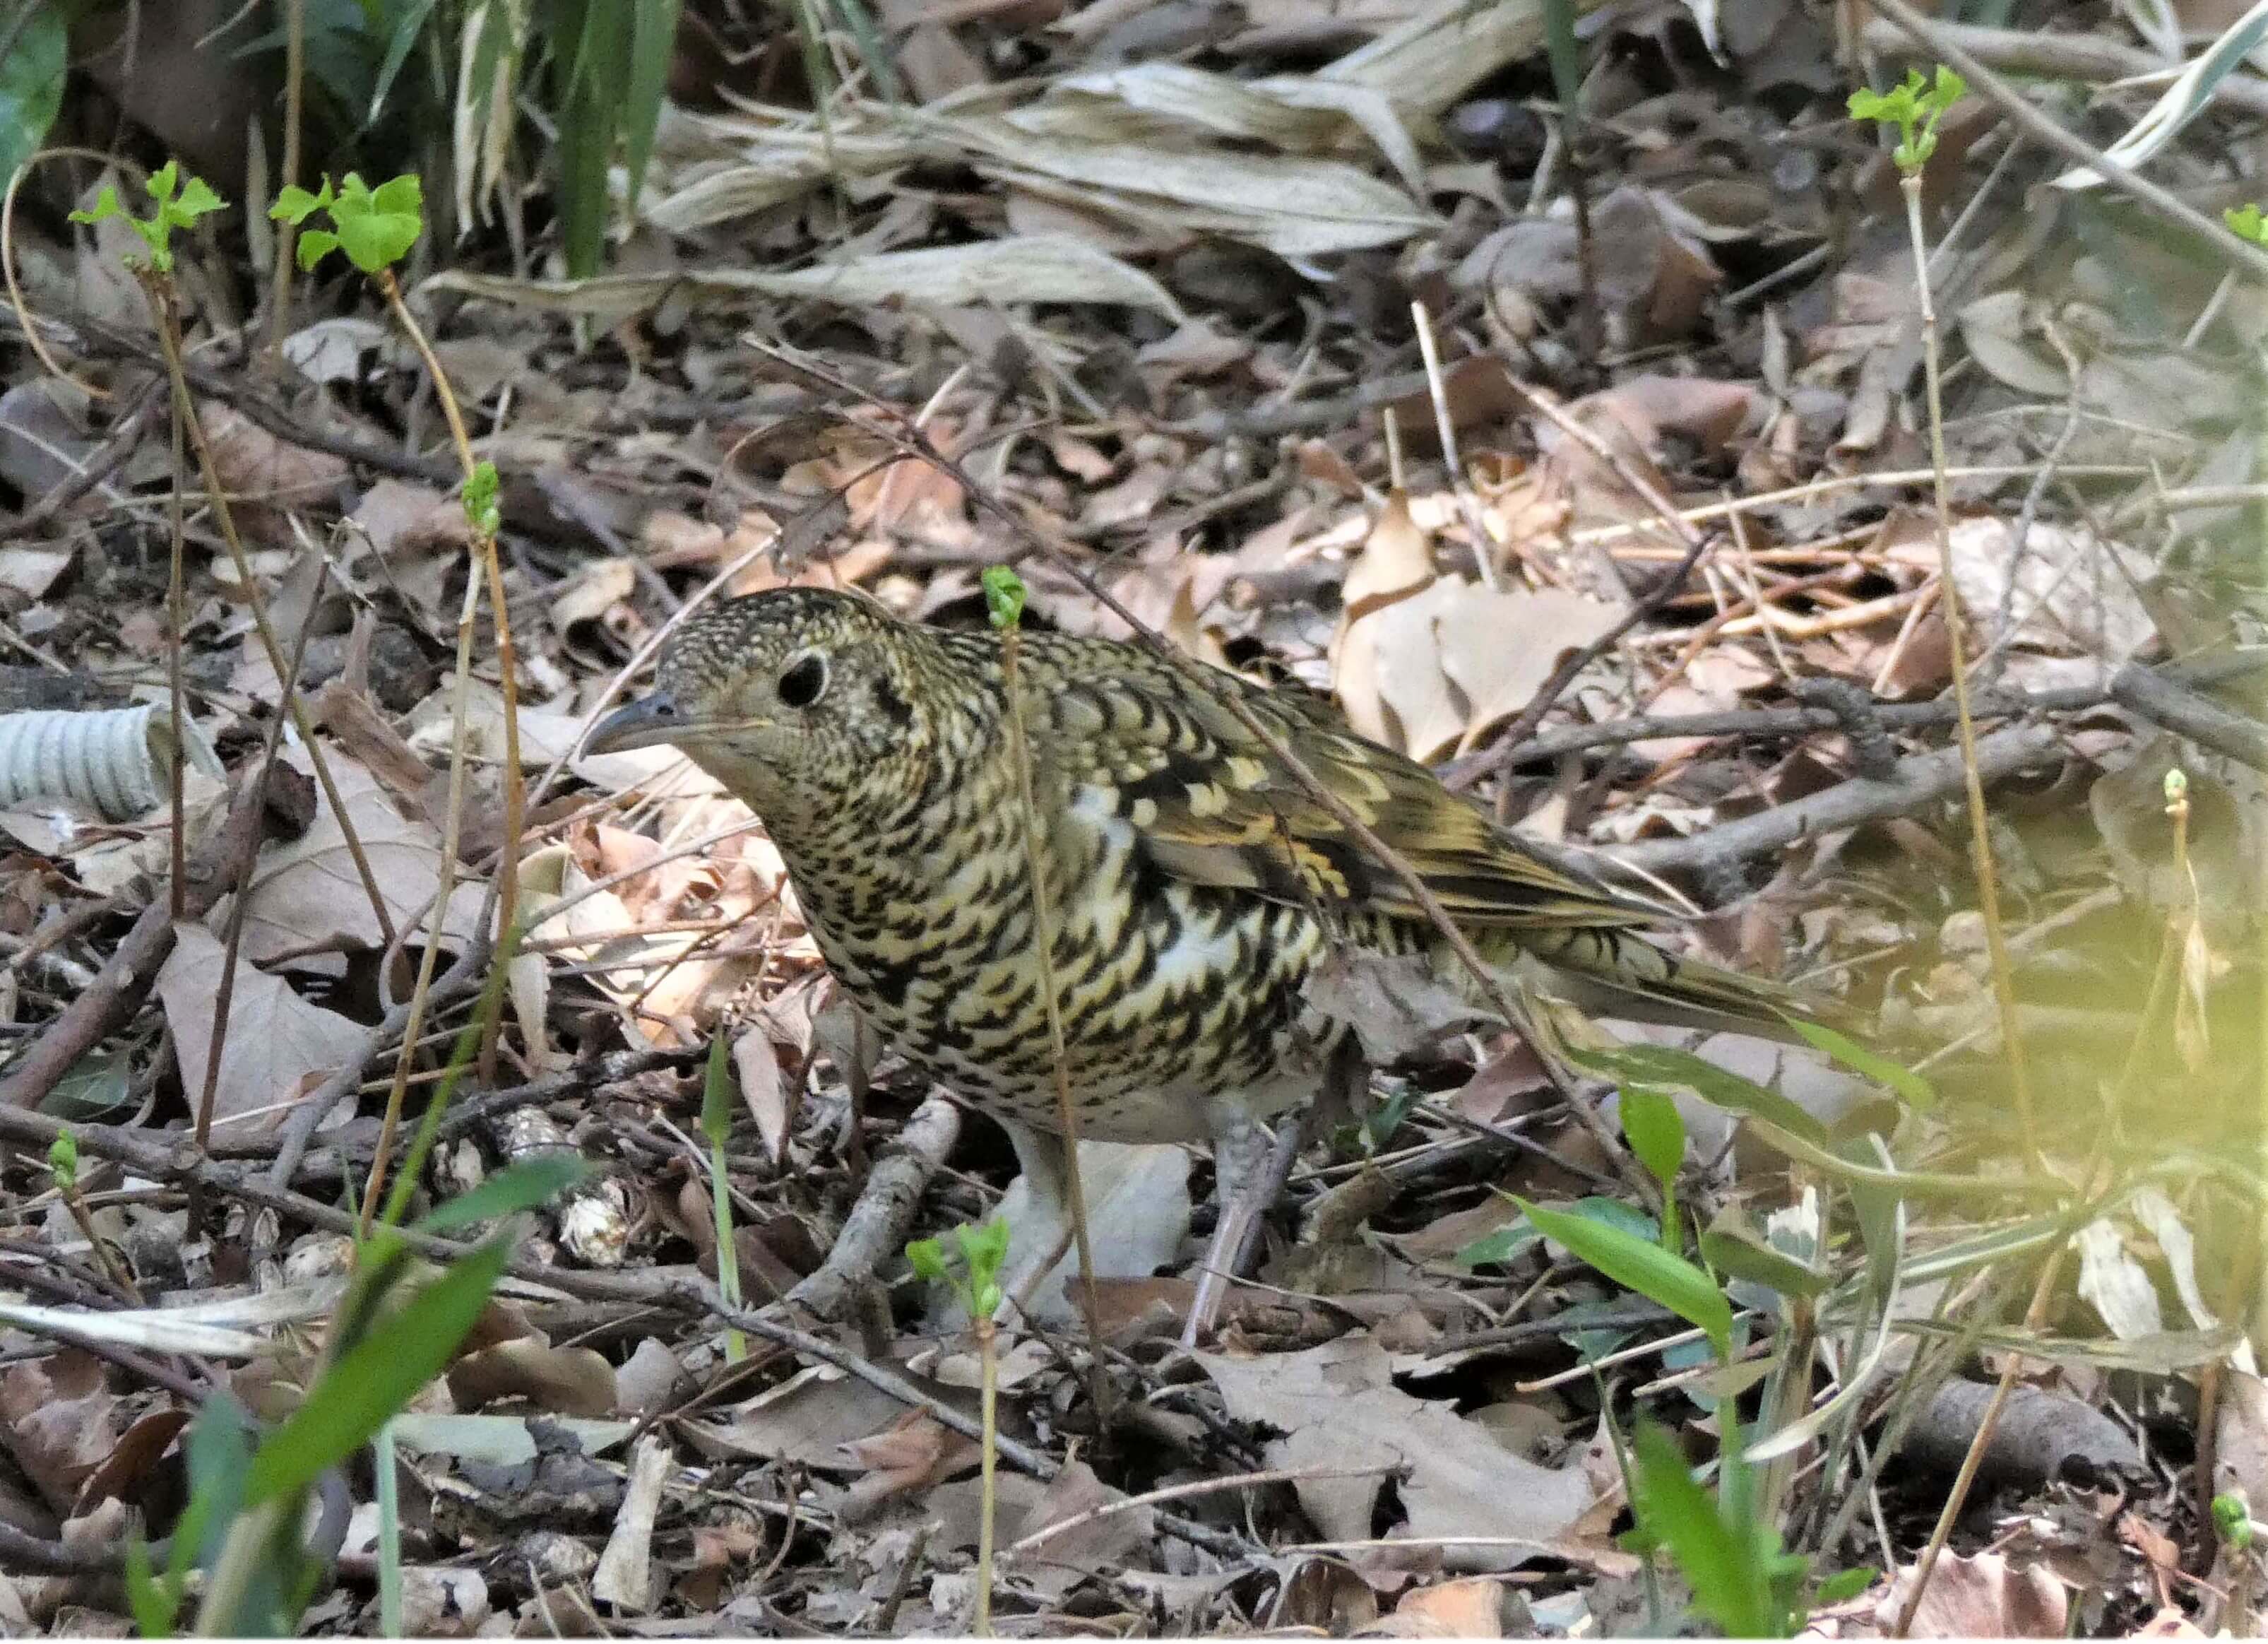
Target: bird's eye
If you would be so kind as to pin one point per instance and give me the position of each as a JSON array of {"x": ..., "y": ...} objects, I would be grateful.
[{"x": 804, "y": 681}]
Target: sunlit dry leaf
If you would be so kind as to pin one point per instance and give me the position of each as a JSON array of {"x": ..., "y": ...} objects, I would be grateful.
[
  {"x": 559, "y": 1380},
  {"x": 1984, "y": 1596},
  {"x": 1036, "y": 268}
]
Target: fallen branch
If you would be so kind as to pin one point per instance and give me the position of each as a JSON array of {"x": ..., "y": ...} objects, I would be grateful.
[
  {"x": 1920, "y": 780},
  {"x": 877, "y": 1227},
  {"x": 2186, "y": 713}
]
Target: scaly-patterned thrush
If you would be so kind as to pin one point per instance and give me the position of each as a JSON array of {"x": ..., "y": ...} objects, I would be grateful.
[{"x": 1195, "y": 881}]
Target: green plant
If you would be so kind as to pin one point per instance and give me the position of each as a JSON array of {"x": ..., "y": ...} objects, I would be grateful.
[
  {"x": 1729, "y": 1552},
  {"x": 1656, "y": 1132},
  {"x": 609, "y": 70},
  {"x": 375, "y": 228},
  {"x": 397, "y": 1327},
  {"x": 717, "y": 1126},
  {"x": 975, "y": 1279},
  {"x": 175, "y": 203},
  {"x": 1914, "y": 108}
]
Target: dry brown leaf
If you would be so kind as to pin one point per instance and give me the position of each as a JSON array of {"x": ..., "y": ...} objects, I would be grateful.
[
  {"x": 1982, "y": 1598},
  {"x": 1061, "y": 1562},
  {"x": 560, "y": 1381},
  {"x": 1340, "y": 1413},
  {"x": 60, "y": 1422},
  {"x": 279, "y": 1046},
  {"x": 307, "y": 897},
  {"x": 1469, "y": 1608},
  {"x": 265, "y": 478}
]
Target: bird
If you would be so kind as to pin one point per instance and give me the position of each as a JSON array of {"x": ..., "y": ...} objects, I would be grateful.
[{"x": 1195, "y": 884}]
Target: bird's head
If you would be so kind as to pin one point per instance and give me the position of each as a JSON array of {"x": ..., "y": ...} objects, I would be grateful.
[{"x": 796, "y": 700}]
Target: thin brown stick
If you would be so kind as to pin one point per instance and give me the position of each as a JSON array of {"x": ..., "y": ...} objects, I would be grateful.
[
  {"x": 169, "y": 340},
  {"x": 1980, "y": 836}
]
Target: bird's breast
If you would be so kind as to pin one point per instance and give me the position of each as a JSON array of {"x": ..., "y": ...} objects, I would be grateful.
[{"x": 1170, "y": 995}]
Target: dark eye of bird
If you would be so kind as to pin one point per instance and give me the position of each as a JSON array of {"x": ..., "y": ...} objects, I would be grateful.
[{"x": 804, "y": 681}]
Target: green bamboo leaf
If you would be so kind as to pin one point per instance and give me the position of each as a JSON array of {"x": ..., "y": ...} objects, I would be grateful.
[
  {"x": 1655, "y": 1130},
  {"x": 1642, "y": 1266},
  {"x": 375, "y": 1379},
  {"x": 1732, "y": 1586},
  {"x": 1918, "y": 1093},
  {"x": 653, "y": 42},
  {"x": 515, "y": 1188},
  {"x": 1660, "y": 1065}
]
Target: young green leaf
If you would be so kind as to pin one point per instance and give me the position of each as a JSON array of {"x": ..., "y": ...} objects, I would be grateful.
[
  {"x": 62, "y": 1162},
  {"x": 32, "y": 70},
  {"x": 2232, "y": 1521},
  {"x": 1844, "y": 1584},
  {"x": 1714, "y": 1550},
  {"x": 376, "y": 226},
  {"x": 1643, "y": 1266},
  {"x": 716, "y": 1094},
  {"x": 515, "y": 1188},
  {"x": 1917, "y": 1092},
  {"x": 294, "y": 204},
  {"x": 1003, "y": 596},
  {"x": 375, "y": 1379},
  {"x": 482, "y": 510},
  {"x": 1734, "y": 1248},
  {"x": 1655, "y": 1131},
  {"x": 927, "y": 1258},
  {"x": 2246, "y": 223}
]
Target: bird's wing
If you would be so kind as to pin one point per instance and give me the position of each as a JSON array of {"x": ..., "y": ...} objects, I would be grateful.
[{"x": 1213, "y": 804}]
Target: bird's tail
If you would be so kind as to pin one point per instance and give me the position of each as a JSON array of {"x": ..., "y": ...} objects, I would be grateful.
[{"x": 1616, "y": 972}]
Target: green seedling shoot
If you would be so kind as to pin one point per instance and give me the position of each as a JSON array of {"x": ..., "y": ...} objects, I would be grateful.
[
  {"x": 970, "y": 1269},
  {"x": 1003, "y": 596},
  {"x": 1656, "y": 1134},
  {"x": 717, "y": 1125},
  {"x": 375, "y": 227},
  {"x": 975, "y": 1278},
  {"x": 1914, "y": 109},
  {"x": 178, "y": 203},
  {"x": 2246, "y": 223},
  {"x": 63, "y": 1162},
  {"x": 2232, "y": 1521}
]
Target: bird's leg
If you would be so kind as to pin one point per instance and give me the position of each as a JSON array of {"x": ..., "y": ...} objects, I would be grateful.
[
  {"x": 1045, "y": 1162},
  {"x": 1249, "y": 1169}
]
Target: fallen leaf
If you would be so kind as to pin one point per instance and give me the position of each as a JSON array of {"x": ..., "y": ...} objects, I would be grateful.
[
  {"x": 278, "y": 1044},
  {"x": 307, "y": 895},
  {"x": 1349, "y": 1428}
]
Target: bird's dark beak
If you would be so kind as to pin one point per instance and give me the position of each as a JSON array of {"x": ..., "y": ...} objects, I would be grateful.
[{"x": 647, "y": 722}]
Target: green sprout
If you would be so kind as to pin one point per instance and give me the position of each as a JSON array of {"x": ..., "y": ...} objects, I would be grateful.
[
  {"x": 1914, "y": 108},
  {"x": 1003, "y": 596},
  {"x": 481, "y": 490},
  {"x": 375, "y": 227},
  {"x": 179, "y": 204},
  {"x": 2246, "y": 223},
  {"x": 2232, "y": 1520},
  {"x": 973, "y": 1270},
  {"x": 62, "y": 1162}
]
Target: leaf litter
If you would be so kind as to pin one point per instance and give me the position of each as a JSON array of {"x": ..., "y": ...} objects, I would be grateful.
[{"x": 1149, "y": 279}]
